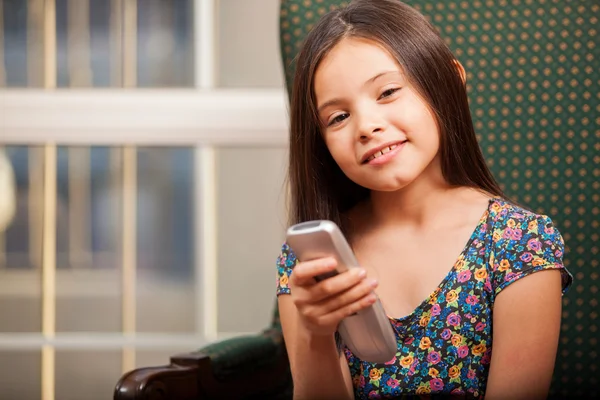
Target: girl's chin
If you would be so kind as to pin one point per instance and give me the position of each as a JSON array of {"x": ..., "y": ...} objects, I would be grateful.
[{"x": 393, "y": 186}]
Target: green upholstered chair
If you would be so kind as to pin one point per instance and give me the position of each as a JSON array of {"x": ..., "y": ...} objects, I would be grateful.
[
  {"x": 533, "y": 75},
  {"x": 249, "y": 367}
]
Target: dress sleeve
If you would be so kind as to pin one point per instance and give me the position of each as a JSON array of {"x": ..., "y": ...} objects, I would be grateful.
[
  {"x": 525, "y": 244},
  {"x": 286, "y": 261}
]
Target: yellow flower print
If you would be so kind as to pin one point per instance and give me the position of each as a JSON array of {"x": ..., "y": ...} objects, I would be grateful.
[
  {"x": 283, "y": 281},
  {"x": 453, "y": 372},
  {"x": 504, "y": 265},
  {"x": 533, "y": 226},
  {"x": 425, "y": 343},
  {"x": 481, "y": 274},
  {"x": 424, "y": 388},
  {"x": 433, "y": 372},
  {"x": 538, "y": 261},
  {"x": 496, "y": 236},
  {"x": 511, "y": 223},
  {"x": 457, "y": 339},
  {"x": 451, "y": 296},
  {"x": 407, "y": 361},
  {"x": 479, "y": 349},
  {"x": 375, "y": 374},
  {"x": 496, "y": 207},
  {"x": 460, "y": 264}
]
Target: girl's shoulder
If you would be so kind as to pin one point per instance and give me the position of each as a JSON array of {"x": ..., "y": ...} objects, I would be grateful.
[
  {"x": 515, "y": 230},
  {"x": 505, "y": 213},
  {"x": 523, "y": 242}
]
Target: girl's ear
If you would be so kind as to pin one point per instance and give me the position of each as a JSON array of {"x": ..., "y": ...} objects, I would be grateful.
[{"x": 461, "y": 70}]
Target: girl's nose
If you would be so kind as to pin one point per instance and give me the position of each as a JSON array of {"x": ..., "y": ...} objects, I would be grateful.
[{"x": 369, "y": 130}]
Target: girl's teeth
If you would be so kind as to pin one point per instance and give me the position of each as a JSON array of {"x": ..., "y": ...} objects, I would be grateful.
[{"x": 382, "y": 152}]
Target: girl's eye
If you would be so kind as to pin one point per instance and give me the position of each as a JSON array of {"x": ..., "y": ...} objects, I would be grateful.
[
  {"x": 338, "y": 119},
  {"x": 388, "y": 93}
]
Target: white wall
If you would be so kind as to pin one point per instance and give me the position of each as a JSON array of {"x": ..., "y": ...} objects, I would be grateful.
[
  {"x": 251, "y": 219},
  {"x": 252, "y": 222},
  {"x": 249, "y": 44}
]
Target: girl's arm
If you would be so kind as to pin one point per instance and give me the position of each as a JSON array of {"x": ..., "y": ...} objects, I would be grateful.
[
  {"x": 310, "y": 315},
  {"x": 526, "y": 321},
  {"x": 318, "y": 370}
]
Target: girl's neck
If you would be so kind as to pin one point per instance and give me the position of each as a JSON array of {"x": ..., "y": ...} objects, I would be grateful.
[
  {"x": 417, "y": 205},
  {"x": 429, "y": 202}
]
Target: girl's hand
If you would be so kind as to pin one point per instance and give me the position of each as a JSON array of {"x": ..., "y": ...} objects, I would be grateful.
[{"x": 322, "y": 305}]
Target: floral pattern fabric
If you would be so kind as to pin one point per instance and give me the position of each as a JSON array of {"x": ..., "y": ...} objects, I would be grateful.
[{"x": 445, "y": 344}]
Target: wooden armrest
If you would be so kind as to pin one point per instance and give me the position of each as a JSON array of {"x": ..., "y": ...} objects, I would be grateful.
[
  {"x": 252, "y": 367},
  {"x": 178, "y": 381}
]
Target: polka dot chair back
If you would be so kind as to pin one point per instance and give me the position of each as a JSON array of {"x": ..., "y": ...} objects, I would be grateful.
[{"x": 533, "y": 76}]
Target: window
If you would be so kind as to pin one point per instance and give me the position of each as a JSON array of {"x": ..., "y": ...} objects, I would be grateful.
[{"x": 166, "y": 203}]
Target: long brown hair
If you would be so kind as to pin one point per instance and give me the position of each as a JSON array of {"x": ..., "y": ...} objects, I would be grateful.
[{"x": 319, "y": 189}]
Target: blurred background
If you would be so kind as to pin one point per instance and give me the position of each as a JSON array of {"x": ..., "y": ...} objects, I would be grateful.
[
  {"x": 146, "y": 145},
  {"x": 142, "y": 163}
]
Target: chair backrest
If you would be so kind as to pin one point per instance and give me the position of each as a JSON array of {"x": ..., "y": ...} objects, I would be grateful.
[{"x": 533, "y": 76}]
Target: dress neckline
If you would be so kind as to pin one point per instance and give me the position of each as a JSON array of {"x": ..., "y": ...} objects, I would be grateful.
[{"x": 482, "y": 220}]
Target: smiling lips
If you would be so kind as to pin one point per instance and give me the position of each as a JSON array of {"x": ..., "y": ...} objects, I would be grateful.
[{"x": 384, "y": 154}]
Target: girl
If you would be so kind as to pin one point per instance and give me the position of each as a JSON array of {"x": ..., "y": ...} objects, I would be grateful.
[{"x": 382, "y": 143}]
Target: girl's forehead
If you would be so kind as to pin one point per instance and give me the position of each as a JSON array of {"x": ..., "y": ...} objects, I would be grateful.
[
  {"x": 357, "y": 49},
  {"x": 354, "y": 61}
]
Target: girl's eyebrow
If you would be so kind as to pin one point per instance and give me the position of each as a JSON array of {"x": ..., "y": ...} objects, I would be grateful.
[
  {"x": 379, "y": 75},
  {"x": 336, "y": 101},
  {"x": 329, "y": 103}
]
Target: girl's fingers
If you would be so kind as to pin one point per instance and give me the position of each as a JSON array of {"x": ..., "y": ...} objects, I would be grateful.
[
  {"x": 305, "y": 272},
  {"x": 316, "y": 293},
  {"x": 324, "y": 304},
  {"x": 335, "y": 317},
  {"x": 355, "y": 293},
  {"x": 338, "y": 284}
]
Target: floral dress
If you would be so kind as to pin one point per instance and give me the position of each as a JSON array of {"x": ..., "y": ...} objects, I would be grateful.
[{"x": 445, "y": 344}]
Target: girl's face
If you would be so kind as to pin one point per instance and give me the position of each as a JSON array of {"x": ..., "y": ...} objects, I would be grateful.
[{"x": 378, "y": 130}]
